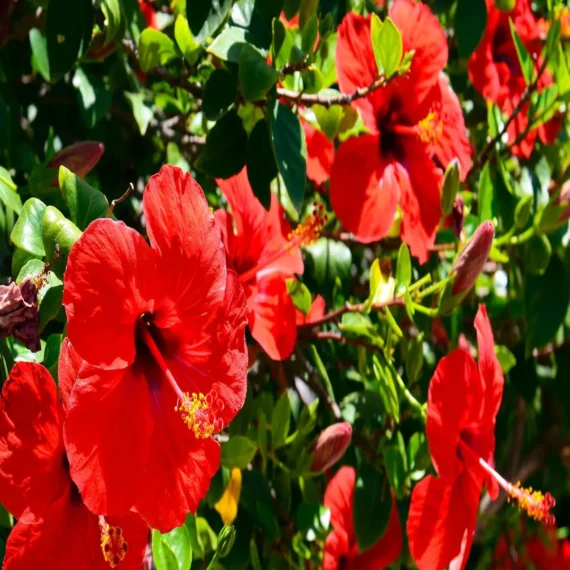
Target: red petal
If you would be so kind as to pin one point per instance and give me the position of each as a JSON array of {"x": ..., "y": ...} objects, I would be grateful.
[
  {"x": 107, "y": 433},
  {"x": 437, "y": 521},
  {"x": 80, "y": 157},
  {"x": 272, "y": 316},
  {"x": 179, "y": 468},
  {"x": 356, "y": 66},
  {"x": 336, "y": 547},
  {"x": 453, "y": 391},
  {"x": 422, "y": 32},
  {"x": 215, "y": 358},
  {"x": 364, "y": 199},
  {"x": 419, "y": 181},
  {"x": 108, "y": 285},
  {"x": 68, "y": 370},
  {"x": 320, "y": 154},
  {"x": 192, "y": 264},
  {"x": 31, "y": 443},
  {"x": 338, "y": 498},
  {"x": 316, "y": 312}
]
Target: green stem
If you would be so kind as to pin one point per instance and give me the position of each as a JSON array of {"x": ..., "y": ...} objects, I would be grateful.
[
  {"x": 504, "y": 239},
  {"x": 416, "y": 406},
  {"x": 424, "y": 310},
  {"x": 525, "y": 236},
  {"x": 436, "y": 286},
  {"x": 419, "y": 283}
]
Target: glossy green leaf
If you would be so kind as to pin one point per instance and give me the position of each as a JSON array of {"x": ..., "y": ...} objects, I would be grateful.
[
  {"x": 469, "y": 23},
  {"x": 50, "y": 299},
  {"x": 141, "y": 112},
  {"x": 27, "y": 233},
  {"x": 300, "y": 294},
  {"x": 403, "y": 269},
  {"x": 525, "y": 59},
  {"x": 9, "y": 192},
  {"x": 220, "y": 94},
  {"x": 256, "y": 76},
  {"x": 173, "y": 550},
  {"x": 238, "y": 452},
  {"x": 39, "y": 50},
  {"x": 58, "y": 235},
  {"x": 329, "y": 119},
  {"x": 261, "y": 166},
  {"x": 396, "y": 464},
  {"x": 329, "y": 260},
  {"x": 309, "y": 34},
  {"x": 113, "y": 13},
  {"x": 537, "y": 252},
  {"x": 228, "y": 45},
  {"x": 280, "y": 421},
  {"x": 505, "y": 357},
  {"x": 206, "y": 16},
  {"x": 155, "y": 48},
  {"x": 189, "y": 47},
  {"x": 387, "y": 45},
  {"x": 291, "y": 151},
  {"x": 225, "y": 151}
]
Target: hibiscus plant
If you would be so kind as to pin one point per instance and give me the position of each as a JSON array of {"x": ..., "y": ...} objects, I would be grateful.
[{"x": 284, "y": 284}]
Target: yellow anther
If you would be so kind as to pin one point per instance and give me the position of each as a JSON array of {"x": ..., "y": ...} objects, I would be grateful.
[
  {"x": 430, "y": 128},
  {"x": 113, "y": 544},
  {"x": 196, "y": 414},
  {"x": 534, "y": 503}
]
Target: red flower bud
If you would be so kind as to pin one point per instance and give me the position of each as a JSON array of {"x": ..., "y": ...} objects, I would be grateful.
[
  {"x": 19, "y": 313},
  {"x": 331, "y": 445},
  {"x": 473, "y": 257},
  {"x": 80, "y": 157}
]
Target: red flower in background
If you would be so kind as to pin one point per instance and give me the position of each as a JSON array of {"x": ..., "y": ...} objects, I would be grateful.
[
  {"x": 149, "y": 14},
  {"x": 264, "y": 252},
  {"x": 463, "y": 401},
  {"x": 156, "y": 355},
  {"x": 341, "y": 548},
  {"x": 416, "y": 128},
  {"x": 320, "y": 154},
  {"x": 55, "y": 530},
  {"x": 495, "y": 71},
  {"x": 316, "y": 312}
]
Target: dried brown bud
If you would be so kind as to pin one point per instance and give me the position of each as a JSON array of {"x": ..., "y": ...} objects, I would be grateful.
[
  {"x": 80, "y": 157},
  {"x": 19, "y": 313},
  {"x": 473, "y": 257},
  {"x": 331, "y": 445}
]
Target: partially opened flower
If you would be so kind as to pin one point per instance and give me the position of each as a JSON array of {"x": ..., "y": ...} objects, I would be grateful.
[
  {"x": 415, "y": 126},
  {"x": 264, "y": 252},
  {"x": 495, "y": 71},
  {"x": 463, "y": 402},
  {"x": 55, "y": 530},
  {"x": 161, "y": 357},
  {"x": 341, "y": 547}
]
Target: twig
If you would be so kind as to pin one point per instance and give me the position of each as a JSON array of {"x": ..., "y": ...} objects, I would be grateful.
[
  {"x": 483, "y": 157},
  {"x": 126, "y": 194},
  {"x": 306, "y": 99}
]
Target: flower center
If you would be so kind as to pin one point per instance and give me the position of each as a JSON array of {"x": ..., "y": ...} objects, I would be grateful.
[
  {"x": 113, "y": 543},
  {"x": 534, "y": 503},
  {"x": 429, "y": 130},
  {"x": 306, "y": 233},
  {"x": 199, "y": 411}
]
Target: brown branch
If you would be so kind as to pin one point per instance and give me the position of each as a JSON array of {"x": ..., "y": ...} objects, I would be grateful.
[
  {"x": 122, "y": 198},
  {"x": 306, "y": 99},
  {"x": 483, "y": 157},
  {"x": 348, "y": 308}
]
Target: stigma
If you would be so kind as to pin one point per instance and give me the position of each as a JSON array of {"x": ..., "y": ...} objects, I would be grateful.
[
  {"x": 536, "y": 505},
  {"x": 113, "y": 544},
  {"x": 199, "y": 413}
]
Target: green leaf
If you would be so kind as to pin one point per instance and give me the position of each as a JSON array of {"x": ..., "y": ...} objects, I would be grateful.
[
  {"x": 291, "y": 151},
  {"x": 228, "y": 45},
  {"x": 50, "y": 299},
  {"x": 68, "y": 32},
  {"x": 58, "y": 235},
  {"x": 537, "y": 252},
  {"x": 39, "y": 50},
  {"x": 329, "y": 119},
  {"x": 256, "y": 76},
  {"x": 189, "y": 47},
  {"x": 173, "y": 550},
  {"x": 51, "y": 354},
  {"x": 27, "y": 233},
  {"x": 206, "y": 16},
  {"x": 113, "y": 12},
  {"x": 470, "y": 21},
  {"x": 396, "y": 464},
  {"x": 225, "y": 151},
  {"x": 262, "y": 440},
  {"x": 155, "y": 48},
  {"x": 281, "y": 421},
  {"x": 238, "y": 452},
  {"x": 403, "y": 269},
  {"x": 372, "y": 506},
  {"x": 485, "y": 197},
  {"x": 31, "y": 268},
  {"x": 9, "y": 192},
  {"x": 329, "y": 260},
  {"x": 309, "y": 34},
  {"x": 300, "y": 294},
  {"x": 95, "y": 98},
  {"x": 387, "y": 45},
  {"x": 85, "y": 203},
  {"x": 141, "y": 112},
  {"x": 525, "y": 60},
  {"x": 261, "y": 166},
  {"x": 307, "y": 9},
  {"x": 546, "y": 299},
  {"x": 254, "y": 555},
  {"x": 386, "y": 387},
  {"x": 505, "y": 357}
]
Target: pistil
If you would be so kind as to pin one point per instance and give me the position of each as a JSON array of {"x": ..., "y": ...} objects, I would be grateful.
[{"x": 113, "y": 543}]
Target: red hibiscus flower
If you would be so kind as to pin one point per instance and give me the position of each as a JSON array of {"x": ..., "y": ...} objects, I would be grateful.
[
  {"x": 316, "y": 312},
  {"x": 264, "y": 252},
  {"x": 320, "y": 154},
  {"x": 341, "y": 547},
  {"x": 149, "y": 14},
  {"x": 161, "y": 359},
  {"x": 463, "y": 401},
  {"x": 55, "y": 530},
  {"x": 495, "y": 71},
  {"x": 416, "y": 128}
]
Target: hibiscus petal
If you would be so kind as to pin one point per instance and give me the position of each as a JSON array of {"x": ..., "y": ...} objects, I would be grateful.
[
  {"x": 272, "y": 316},
  {"x": 422, "y": 32},
  {"x": 338, "y": 498},
  {"x": 320, "y": 154},
  {"x": 108, "y": 284},
  {"x": 437, "y": 521},
  {"x": 68, "y": 370},
  {"x": 365, "y": 199},
  {"x": 356, "y": 66},
  {"x": 107, "y": 433},
  {"x": 336, "y": 547},
  {"x": 31, "y": 444},
  {"x": 452, "y": 393},
  {"x": 419, "y": 181},
  {"x": 192, "y": 263}
]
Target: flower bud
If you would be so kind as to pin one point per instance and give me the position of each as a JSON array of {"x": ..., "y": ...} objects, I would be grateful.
[
  {"x": 80, "y": 158},
  {"x": 226, "y": 540},
  {"x": 331, "y": 445},
  {"x": 19, "y": 313},
  {"x": 450, "y": 187}
]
